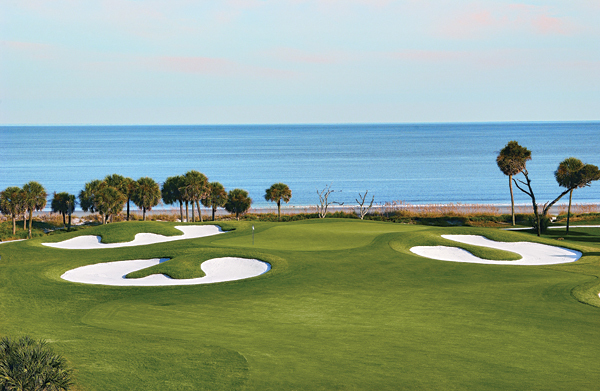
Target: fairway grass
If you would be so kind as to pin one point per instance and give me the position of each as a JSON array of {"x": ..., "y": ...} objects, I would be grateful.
[{"x": 346, "y": 306}]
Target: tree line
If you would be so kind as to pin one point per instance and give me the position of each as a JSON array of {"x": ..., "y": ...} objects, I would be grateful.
[
  {"x": 571, "y": 174},
  {"x": 110, "y": 195}
]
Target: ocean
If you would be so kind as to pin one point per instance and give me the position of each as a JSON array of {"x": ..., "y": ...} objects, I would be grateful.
[{"x": 413, "y": 163}]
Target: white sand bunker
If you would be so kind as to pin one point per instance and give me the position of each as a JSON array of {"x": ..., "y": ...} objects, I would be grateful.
[
  {"x": 531, "y": 253},
  {"x": 216, "y": 270},
  {"x": 88, "y": 242}
]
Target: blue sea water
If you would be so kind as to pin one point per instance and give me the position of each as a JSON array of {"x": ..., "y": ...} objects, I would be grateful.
[{"x": 414, "y": 163}]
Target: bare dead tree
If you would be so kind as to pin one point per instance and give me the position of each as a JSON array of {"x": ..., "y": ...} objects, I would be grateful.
[
  {"x": 364, "y": 209},
  {"x": 324, "y": 200}
]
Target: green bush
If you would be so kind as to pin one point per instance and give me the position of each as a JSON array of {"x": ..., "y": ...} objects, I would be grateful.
[
  {"x": 27, "y": 364},
  {"x": 544, "y": 223}
]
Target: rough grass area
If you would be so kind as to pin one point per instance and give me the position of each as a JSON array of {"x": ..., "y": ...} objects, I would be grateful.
[{"x": 346, "y": 306}]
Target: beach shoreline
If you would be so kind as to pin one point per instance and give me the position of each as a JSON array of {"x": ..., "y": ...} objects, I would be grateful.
[{"x": 442, "y": 208}]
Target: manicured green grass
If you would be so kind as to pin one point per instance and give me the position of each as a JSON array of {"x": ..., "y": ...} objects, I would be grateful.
[{"x": 346, "y": 306}]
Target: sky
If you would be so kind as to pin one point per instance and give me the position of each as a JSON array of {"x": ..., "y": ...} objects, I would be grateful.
[{"x": 132, "y": 62}]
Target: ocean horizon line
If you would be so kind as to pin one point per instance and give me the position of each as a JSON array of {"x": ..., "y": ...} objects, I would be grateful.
[{"x": 499, "y": 122}]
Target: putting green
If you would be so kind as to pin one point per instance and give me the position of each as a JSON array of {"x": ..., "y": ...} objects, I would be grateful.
[{"x": 345, "y": 306}]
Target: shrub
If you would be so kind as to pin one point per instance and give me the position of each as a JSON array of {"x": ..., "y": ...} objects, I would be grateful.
[
  {"x": 26, "y": 364},
  {"x": 544, "y": 223}
]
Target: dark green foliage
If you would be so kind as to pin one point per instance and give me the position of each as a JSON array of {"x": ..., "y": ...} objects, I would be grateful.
[
  {"x": 512, "y": 160},
  {"x": 34, "y": 196},
  {"x": 544, "y": 223},
  {"x": 171, "y": 192},
  {"x": 238, "y": 202},
  {"x": 63, "y": 203},
  {"x": 12, "y": 203},
  {"x": 29, "y": 365},
  {"x": 194, "y": 189},
  {"x": 276, "y": 193},
  {"x": 216, "y": 197},
  {"x": 146, "y": 194},
  {"x": 573, "y": 174},
  {"x": 100, "y": 196}
]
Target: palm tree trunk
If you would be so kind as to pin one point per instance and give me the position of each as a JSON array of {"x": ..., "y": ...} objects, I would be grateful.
[
  {"x": 199, "y": 211},
  {"x": 278, "y": 210},
  {"x": 68, "y": 229},
  {"x": 30, "y": 222},
  {"x": 64, "y": 219},
  {"x": 214, "y": 209},
  {"x": 14, "y": 219},
  {"x": 103, "y": 218},
  {"x": 569, "y": 210},
  {"x": 187, "y": 216},
  {"x": 143, "y": 213},
  {"x": 25, "y": 220},
  {"x": 181, "y": 210},
  {"x": 128, "y": 209},
  {"x": 193, "y": 213},
  {"x": 512, "y": 199}
]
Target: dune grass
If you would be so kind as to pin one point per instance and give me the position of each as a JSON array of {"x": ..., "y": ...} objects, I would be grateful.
[{"x": 346, "y": 306}]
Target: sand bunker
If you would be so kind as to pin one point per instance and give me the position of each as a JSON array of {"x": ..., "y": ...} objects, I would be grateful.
[
  {"x": 532, "y": 253},
  {"x": 216, "y": 270},
  {"x": 88, "y": 242}
]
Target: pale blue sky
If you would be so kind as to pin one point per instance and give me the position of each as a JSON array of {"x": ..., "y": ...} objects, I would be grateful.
[{"x": 297, "y": 61}]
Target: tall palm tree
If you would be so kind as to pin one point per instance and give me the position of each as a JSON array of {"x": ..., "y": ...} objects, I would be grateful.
[
  {"x": 63, "y": 203},
  {"x": 26, "y": 364},
  {"x": 276, "y": 193},
  {"x": 216, "y": 196},
  {"x": 512, "y": 160},
  {"x": 238, "y": 202},
  {"x": 171, "y": 192},
  {"x": 573, "y": 174},
  {"x": 11, "y": 204},
  {"x": 120, "y": 183},
  {"x": 195, "y": 189},
  {"x": 146, "y": 195},
  {"x": 70, "y": 203},
  {"x": 131, "y": 186},
  {"x": 35, "y": 199},
  {"x": 108, "y": 201},
  {"x": 87, "y": 196}
]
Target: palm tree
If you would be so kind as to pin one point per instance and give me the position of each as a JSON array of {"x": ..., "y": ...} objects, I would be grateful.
[
  {"x": 11, "y": 204},
  {"x": 146, "y": 195},
  {"x": 194, "y": 189},
  {"x": 238, "y": 202},
  {"x": 63, "y": 203},
  {"x": 131, "y": 186},
  {"x": 108, "y": 201},
  {"x": 573, "y": 174},
  {"x": 120, "y": 183},
  {"x": 70, "y": 203},
  {"x": 170, "y": 192},
  {"x": 512, "y": 160},
  {"x": 35, "y": 199},
  {"x": 215, "y": 197},
  {"x": 26, "y": 364},
  {"x": 276, "y": 193},
  {"x": 87, "y": 196}
]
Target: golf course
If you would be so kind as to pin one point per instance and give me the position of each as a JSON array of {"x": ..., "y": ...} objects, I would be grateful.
[{"x": 344, "y": 304}]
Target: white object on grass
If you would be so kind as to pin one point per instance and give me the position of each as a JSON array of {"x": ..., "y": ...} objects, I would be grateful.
[
  {"x": 88, "y": 242},
  {"x": 216, "y": 270},
  {"x": 531, "y": 253}
]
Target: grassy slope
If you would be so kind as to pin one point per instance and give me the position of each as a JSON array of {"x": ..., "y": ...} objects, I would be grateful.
[{"x": 346, "y": 306}]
